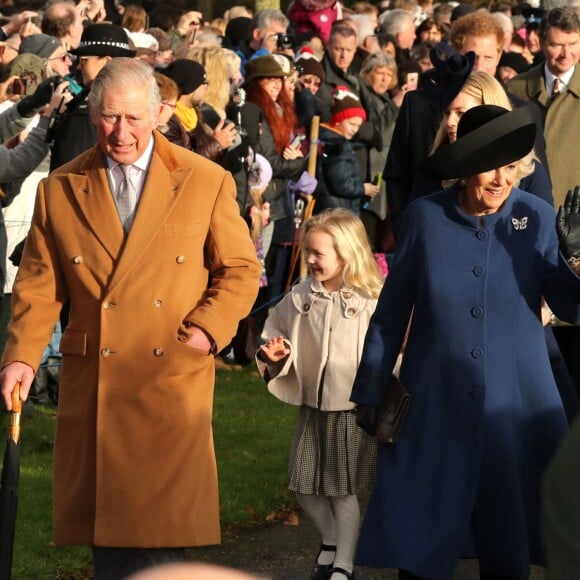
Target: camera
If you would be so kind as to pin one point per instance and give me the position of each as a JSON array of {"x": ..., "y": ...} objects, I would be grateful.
[{"x": 284, "y": 41}]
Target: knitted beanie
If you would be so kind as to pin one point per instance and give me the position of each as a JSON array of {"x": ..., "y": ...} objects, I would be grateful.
[
  {"x": 187, "y": 74},
  {"x": 345, "y": 105},
  {"x": 41, "y": 45},
  {"x": 307, "y": 64}
]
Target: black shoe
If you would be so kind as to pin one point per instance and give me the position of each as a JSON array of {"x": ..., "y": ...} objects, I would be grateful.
[
  {"x": 321, "y": 571},
  {"x": 349, "y": 575}
]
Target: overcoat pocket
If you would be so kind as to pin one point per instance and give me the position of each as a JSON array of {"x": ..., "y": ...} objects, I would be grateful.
[{"x": 74, "y": 342}]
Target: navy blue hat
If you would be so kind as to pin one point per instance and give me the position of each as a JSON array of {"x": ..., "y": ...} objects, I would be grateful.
[{"x": 450, "y": 71}]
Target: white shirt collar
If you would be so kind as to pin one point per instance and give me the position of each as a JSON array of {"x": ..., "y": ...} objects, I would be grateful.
[{"x": 564, "y": 79}]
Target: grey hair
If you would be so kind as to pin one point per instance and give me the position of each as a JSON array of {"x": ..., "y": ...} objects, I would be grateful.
[
  {"x": 264, "y": 18},
  {"x": 364, "y": 24},
  {"x": 125, "y": 73},
  {"x": 505, "y": 22},
  {"x": 378, "y": 60},
  {"x": 394, "y": 21}
]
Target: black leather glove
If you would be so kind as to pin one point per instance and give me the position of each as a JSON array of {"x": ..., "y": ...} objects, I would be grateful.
[
  {"x": 31, "y": 104},
  {"x": 568, "y": 224},
  {"x": 366, "y": 418}
]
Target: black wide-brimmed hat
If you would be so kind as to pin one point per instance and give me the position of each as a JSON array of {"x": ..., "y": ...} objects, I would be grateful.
[
  {"x": 104, "y": 39},
  {"x": 488, "y": 137},
  {"x": 450, "y": 71}
]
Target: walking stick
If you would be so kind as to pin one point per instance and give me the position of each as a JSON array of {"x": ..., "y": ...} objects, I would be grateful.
[
  {"x": 9, "y": 487},
  {"x": 304, "y": 205}
]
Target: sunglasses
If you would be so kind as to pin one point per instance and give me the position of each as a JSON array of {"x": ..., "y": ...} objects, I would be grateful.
[{"x": 63, "y": 58}]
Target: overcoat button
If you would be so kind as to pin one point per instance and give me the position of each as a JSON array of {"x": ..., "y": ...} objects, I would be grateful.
[
  {"x": 479, "y": 271},
  {"x": 482, "y": 235},
  {"x": 180, "y": 259},
  {"x": 351, "y": 311},
  {"x": 477, "y": 311},
  {"x": 158, "y": 303},
  {"x": 477, "y": 352},
  {"x": 105, "y": 352},
  {"x": 306, "y": 307},
  {"x": 78, "y": 260},
  {"x": 347, "y": 295},
  {"x": 158, "y": 351}
]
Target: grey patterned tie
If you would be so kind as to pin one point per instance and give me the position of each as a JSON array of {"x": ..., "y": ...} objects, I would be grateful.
[{"x": 126, "y": 198}]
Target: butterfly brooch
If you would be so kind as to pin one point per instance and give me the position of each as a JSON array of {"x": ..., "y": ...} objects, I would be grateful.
[{"x": 520, "y": 224}]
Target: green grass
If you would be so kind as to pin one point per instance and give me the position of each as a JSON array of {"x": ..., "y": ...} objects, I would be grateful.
[{"x": 252, "y": 432}]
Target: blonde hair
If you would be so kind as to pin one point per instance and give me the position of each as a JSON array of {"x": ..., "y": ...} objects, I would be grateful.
[
  {"x": 488, "y": 91},
  {"x": 216, "y": 67},
  {"x": 352, "y": 246}
]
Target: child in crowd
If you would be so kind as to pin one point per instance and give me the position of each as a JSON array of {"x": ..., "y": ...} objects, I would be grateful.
[
  {"x": 340, "y": 183},
  {"x": 259, "y": 177},
  {"x": 314, "y": 338}
]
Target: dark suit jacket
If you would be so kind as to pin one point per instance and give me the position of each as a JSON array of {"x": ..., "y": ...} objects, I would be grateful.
[{"x": 415, "y": 131}]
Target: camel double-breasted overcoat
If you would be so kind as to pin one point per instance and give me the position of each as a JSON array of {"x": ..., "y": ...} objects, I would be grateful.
[{"x": 134, "y": 461}]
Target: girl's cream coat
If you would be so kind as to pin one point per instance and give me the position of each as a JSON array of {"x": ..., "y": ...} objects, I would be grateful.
[{"x": 325, "y": 333}]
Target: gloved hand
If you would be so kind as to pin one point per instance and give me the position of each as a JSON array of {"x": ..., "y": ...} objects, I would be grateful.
[
  {"x": 366, "y": 418},
  {"x": 568, "y": 224},
  {"x": 31, "y": 104}
]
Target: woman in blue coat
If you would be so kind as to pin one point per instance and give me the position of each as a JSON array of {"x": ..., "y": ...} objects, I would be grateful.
[{"x": 471, "y": 266}]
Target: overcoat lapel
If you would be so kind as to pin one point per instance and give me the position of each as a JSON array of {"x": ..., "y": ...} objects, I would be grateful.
[
  {"x": 538, "y": 90},
  {"x": 91, "y": 189},
  {"x": 163, "y": 186}
]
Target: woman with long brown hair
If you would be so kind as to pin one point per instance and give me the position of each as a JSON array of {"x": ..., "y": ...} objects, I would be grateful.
[{"x": 270, "y": 115}]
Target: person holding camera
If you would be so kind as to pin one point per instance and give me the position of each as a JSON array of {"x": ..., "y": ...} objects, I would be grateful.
[
  {"x": 18, "y": 160},
  {"x": 56, "y": 59},
  {"x": 73, "y": 132},
  {"x": 267, "y": 26}
]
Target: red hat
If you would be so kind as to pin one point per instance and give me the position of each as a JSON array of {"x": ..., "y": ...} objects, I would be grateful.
[{"x": 345, "y": 105}]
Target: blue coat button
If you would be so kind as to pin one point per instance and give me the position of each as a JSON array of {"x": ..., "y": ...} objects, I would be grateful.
[
  {"x": 482, "y": 235},
  {"x": 479, "y": 271},
  {"x": 477, "y": 352},
  {"x": 477, "y": 311}
]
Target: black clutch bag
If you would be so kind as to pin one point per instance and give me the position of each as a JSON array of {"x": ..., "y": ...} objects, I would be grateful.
[{"x": 392, "y": 411}]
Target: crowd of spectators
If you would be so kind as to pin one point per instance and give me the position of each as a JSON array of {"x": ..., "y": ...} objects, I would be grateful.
[{"x": 249, "y": 83}]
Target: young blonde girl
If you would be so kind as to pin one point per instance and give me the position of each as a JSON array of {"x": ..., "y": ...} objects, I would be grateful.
[{"x": 313, "y": 342}]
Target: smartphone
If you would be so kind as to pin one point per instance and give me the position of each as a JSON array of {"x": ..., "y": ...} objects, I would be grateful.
[
  {"x": 297, "y": 140},
  {"x": 412, "y": 81}
]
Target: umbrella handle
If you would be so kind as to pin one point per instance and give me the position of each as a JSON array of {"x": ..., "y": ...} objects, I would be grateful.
[{"x": 14, "y": 429}]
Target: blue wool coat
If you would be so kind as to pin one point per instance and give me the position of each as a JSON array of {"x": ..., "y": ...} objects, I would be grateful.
[{"x": 485, "y": 417}]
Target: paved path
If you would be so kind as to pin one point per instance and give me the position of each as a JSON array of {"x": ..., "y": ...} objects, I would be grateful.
[{"x": 287, "y": 553}]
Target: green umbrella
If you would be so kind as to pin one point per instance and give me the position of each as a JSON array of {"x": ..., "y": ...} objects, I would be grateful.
[{"x": 9, "y": 488}]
